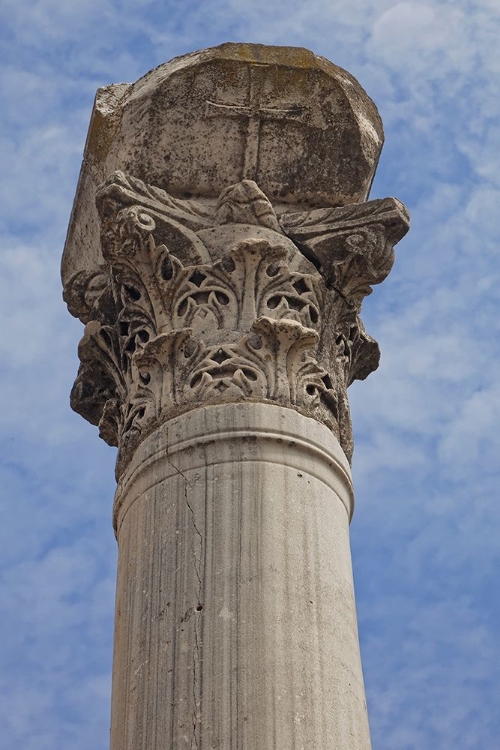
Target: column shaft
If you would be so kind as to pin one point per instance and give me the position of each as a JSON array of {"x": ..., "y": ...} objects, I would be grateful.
[{"x": 235, "y": 618}]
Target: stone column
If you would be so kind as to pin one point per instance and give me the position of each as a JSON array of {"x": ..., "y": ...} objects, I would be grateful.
[{"x": 219, "y": 250}]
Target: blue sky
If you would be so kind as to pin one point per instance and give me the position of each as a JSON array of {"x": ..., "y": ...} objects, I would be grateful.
[{"x": 426, "y": 468}]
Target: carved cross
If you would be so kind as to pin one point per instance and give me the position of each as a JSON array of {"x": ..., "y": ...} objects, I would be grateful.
[{"x": 255, "y": 114}]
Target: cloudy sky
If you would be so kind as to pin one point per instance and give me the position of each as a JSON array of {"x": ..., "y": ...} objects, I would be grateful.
[{"x": 427, "y": 524}]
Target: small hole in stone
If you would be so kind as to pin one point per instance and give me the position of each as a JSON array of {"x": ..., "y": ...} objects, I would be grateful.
[
  {"x": 195, "y": 380},
  {"x": 167, "y": 270},
  {"x": 301, "y": 286},
  {"x": 197, "y": 278},
  {"x": 228, "y": 265},
  {"x": 295, "y": 304},
  {"x": 133, "y": 293},
  {"x": 250, "y": 375},
  {"x": 272, "y": 269},
  {"x": 222, "y": 298},
  {"x": 220, "y": 356},
  {"x": 201, "y": 298},
  {"x": 273, "y": 302},
  {"x": 314, "y": 315},
  {"x": 327, "y": 381},
  {"x": 189, "y": 349},
  {"x": 199, "y": 608}
]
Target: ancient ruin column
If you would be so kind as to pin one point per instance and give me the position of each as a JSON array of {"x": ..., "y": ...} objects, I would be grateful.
[{"x": 220, "y": 247}]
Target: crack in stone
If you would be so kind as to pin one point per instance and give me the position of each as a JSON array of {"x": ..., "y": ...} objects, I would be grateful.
[
  {"x": 196, "y": 658},
  {"x": 197, "y": 561},
  {"x": 349, "y": 304}
]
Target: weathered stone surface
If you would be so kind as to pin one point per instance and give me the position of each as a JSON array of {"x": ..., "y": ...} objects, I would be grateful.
[
  {"x": 198, "y": 305},
  {"x": 236, "y": 622},
  {"x": 219, "y": 252},
  {"x": 296, "y": 124}
]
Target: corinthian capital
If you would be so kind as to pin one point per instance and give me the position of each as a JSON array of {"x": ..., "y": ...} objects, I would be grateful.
[
  {"x": 228, "y": 258},
  {"x": 198, "y": 304}
]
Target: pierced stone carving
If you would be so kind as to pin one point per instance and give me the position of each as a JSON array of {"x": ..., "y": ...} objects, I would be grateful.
[
  {"x": 353, "y": 246},
  {"x": 178, "y": 318}
]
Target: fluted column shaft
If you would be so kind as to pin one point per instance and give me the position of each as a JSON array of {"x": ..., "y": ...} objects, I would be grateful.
[{"x": 235, "y": 616}]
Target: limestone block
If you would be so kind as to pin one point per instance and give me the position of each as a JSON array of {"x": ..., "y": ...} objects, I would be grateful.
[{"x": 293, "y": 122}]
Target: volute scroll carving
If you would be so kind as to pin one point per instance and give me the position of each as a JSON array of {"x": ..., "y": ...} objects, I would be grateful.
[{"x": 200, "y": 303}]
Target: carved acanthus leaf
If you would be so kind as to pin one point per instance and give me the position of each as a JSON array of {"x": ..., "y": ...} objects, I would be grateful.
[
  {"x": 245, "y": 203},
  {"x": 171, "y": 328},
  {"x": 357, "y": 353},
  {"x": 241, "y": 327},
  {"x": 126, "y": 213},
  {"x": 252, "y": 280},
  {"x": 86, "y": 290},
  {"x": 101, "y": 378},
  {"x": 125, "y": 190},
  {"x": 353, "y": 245}
]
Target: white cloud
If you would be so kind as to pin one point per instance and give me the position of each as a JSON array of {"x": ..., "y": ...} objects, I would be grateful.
[{"x": 472, "y": 440}]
